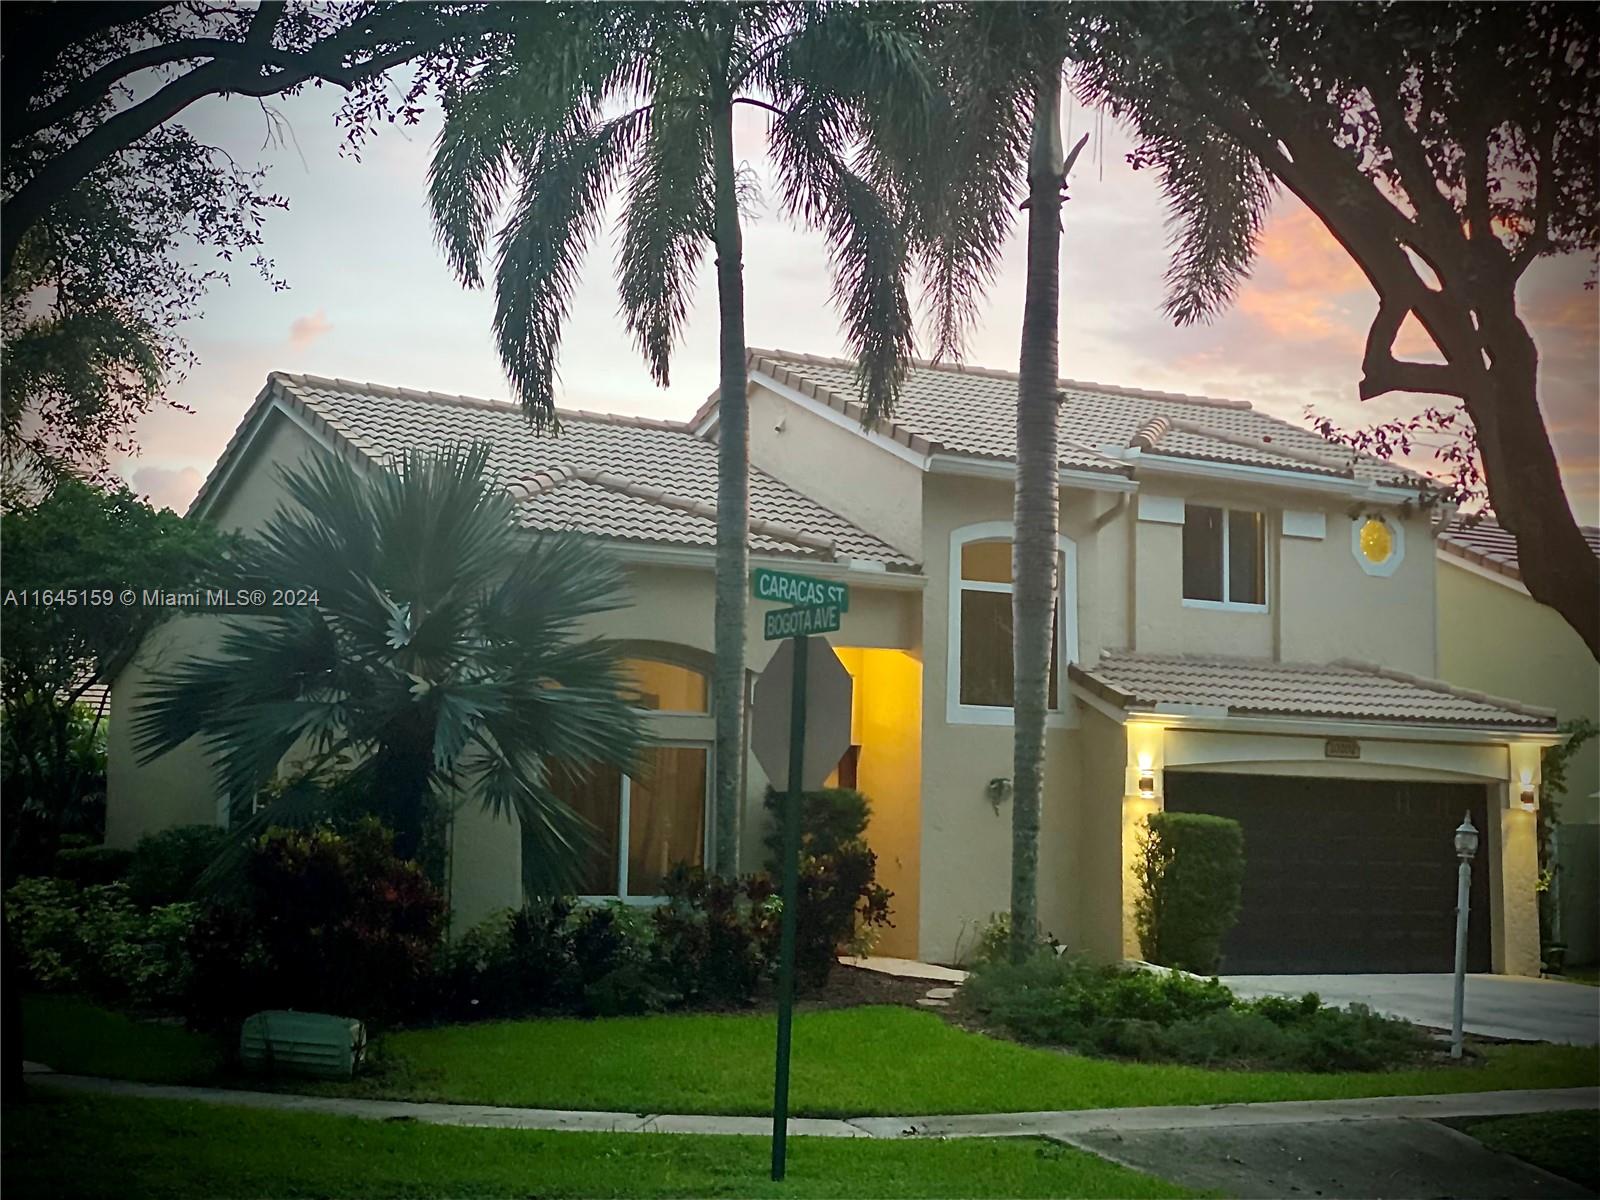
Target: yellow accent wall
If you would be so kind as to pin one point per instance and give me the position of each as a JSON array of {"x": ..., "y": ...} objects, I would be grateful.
[{"x": 886, "y": 716}]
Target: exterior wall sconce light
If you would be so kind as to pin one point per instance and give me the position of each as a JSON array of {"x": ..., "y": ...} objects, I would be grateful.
[
  {"x": 997, "y": 792},
  {"x": 1528, "y": 794},
  {"x": 1147, "y": 778}
]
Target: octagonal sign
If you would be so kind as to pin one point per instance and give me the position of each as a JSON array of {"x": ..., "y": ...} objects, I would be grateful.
[{"x": 828, "y": 692}]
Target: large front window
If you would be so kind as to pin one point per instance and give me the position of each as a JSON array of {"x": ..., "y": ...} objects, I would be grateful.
[
  {"x": 982, "y": 684},
  {"x": 646, "y": 823},
  {"x": 1224, "y": 556},
  {"x": 649, "y": 821}
]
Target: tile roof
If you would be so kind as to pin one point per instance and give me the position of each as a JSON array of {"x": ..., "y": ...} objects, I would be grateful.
[
  {"x": 633, "y": 479},
  {"x": 1258, "y": 687},
  {"x": 972, "y": 411},
  {"x": 1487, "y": 544}
]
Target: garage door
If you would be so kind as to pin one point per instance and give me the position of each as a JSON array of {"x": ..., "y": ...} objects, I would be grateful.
[{"x": 1345, "y": 876}]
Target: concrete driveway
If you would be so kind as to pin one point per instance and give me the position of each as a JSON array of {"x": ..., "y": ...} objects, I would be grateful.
[{"x": 1500, "y": 1006}]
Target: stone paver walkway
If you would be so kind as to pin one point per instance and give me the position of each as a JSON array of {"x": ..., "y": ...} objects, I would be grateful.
[
  {"x": 909, "y": 968},
  {"x": 1064, "y": 1125}
]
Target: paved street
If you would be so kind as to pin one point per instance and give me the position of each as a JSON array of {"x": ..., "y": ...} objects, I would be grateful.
[
  {"x": 1391, "y": 1158},
  {"x": 1500, "y": 1006}
]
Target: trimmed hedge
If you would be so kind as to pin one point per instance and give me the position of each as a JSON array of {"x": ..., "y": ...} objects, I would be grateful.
[
  {"x": 92, "y": 866},
  {"x": 1190, "y": 870},
  {"x": 166, "y": 865}
]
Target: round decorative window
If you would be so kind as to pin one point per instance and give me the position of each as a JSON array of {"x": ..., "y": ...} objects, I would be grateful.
[{"x": 1378, "y": 543}]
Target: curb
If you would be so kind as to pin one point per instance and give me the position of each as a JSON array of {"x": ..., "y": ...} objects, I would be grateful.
[{"x": 973, "y": 1125}]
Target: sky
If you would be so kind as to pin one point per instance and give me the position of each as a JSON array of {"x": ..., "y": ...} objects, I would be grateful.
[{"x": 371, "y": 298}]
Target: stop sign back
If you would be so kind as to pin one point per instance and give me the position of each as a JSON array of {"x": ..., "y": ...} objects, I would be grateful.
[{"x": 827, "y": 711}]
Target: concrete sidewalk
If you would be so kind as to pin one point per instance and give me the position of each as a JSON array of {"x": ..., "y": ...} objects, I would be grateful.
[{"x": 1062, "y": 1125}]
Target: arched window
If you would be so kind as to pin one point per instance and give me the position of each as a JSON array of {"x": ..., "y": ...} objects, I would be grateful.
[
  {"x": 669, "y": 687},
  {"x": 980, "y": 662},
  {"x": 649, "y": 821}
]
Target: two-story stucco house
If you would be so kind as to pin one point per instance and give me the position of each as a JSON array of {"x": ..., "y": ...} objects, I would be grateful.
[{"x": 1247, "y": 627}]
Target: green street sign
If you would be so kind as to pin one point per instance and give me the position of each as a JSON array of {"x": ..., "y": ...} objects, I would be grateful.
[
  {"x": 802, "y": 591},
  {"x": 799, "y": 622}
]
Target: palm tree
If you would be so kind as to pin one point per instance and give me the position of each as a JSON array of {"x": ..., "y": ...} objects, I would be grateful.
[
  {"x": 1000, "y": 68},
  {"x": 588, "y": 99},
  {"x": 439, "y": 657}
]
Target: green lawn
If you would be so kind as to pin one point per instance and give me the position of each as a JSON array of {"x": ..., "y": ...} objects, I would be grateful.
[
  {"x": 847, "y": 1062},
  {"x": 82, "y": 1038},
  {"x": 1567, "y": 1143},
  {"x": 164, "y": 1150}
]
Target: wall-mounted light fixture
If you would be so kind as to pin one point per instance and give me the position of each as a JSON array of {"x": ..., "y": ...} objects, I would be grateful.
[
  {"x": 1528, "y": 794},
  {"x": 1147, "y": 777},
  {"x": 997, "y": 791}
]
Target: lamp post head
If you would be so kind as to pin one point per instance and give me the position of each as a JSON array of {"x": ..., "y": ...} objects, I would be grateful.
[{"x": 1466, "y": 839}]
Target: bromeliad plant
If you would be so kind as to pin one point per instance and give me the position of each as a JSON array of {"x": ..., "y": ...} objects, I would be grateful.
[{"x": 440, "y": 658}]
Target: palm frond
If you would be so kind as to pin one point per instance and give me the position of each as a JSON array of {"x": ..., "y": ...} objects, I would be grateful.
[
  {"x": 666, "y": 224},
  {"x": 1218, "y": 193},
  {"x": 868, "y": 249},
  {"x": 559, "y": 208}
]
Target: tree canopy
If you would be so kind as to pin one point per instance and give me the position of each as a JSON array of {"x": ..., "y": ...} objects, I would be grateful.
[
  {"x": 105, "y": 196},
  {"x": 1446, "y": 147}
]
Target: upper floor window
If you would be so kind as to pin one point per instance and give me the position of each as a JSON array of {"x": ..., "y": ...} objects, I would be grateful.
[
  {"x": 982, "y": 683},
  {"x": 1224, "y": 556}
]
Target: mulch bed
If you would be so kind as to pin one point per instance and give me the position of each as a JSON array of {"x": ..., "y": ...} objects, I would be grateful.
[{"x": 848, "y": 987}]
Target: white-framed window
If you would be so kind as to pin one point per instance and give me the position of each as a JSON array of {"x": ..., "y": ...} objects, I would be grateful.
[
  {"x": 648, "y": 821},
  {"x": 980, "y": 679},
  {"x": 1224, "y": 558}
]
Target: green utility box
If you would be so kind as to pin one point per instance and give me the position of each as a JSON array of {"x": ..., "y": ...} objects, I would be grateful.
[{"x": 298, "y": 1043}]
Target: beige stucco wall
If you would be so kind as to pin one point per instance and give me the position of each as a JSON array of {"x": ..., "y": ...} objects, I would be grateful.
[
  {"x": 1321, "y": 605},
  {"x": 1104, "y": 861},
  {"x": 966, "y": 843},
  {"x": 180, "y": 788},
  {"x": 1496, "y": 638},
  {"x": 1499, "y": 640},
  {"x": 838, "y": 467}
]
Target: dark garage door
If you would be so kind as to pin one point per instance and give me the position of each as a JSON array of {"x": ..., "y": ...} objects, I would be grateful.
[{"x": 1345, "y": 876}]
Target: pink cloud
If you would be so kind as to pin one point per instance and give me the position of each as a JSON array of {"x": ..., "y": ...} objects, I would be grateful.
[
  {"x": 164, "y": 487},
  {"x": 305, "y": 330}
]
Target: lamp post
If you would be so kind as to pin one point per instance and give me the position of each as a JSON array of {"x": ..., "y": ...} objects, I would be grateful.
[{"x": 1466, "y": 839}]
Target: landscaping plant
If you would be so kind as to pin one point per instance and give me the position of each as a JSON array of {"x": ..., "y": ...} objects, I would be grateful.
[
  {"x": 327, "y": 921},
  {"x": 444, "y": 654},
  {"x": 165, "y": 866},
  {"x": 840, "y": 904},
  {"x": 97, "y": 941},
  {"x": 1064, "y": 1001},
  {"x": 717, "y": 939},
  {"x": 1190, "y": 870}
]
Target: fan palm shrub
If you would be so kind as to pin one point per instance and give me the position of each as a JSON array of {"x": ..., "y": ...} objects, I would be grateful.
[
  {"x": 441, "y": 661},
  {"x": 589, "y": 99}
]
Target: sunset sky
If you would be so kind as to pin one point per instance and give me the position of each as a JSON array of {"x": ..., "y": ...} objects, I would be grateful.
[{"x": 371, "y": 298}]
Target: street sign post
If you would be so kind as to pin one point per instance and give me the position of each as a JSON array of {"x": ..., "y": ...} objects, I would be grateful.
[{"x": 800, "y": 727}]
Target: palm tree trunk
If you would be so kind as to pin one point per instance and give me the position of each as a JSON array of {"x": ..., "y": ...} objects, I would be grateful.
[
  {"x": 733, "y": 503},
  {"x": 1034, "y": 547}
]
